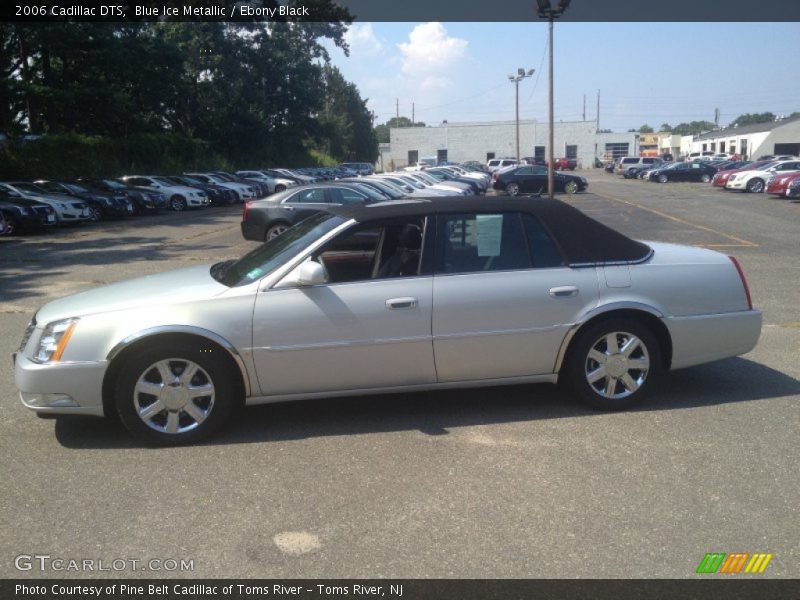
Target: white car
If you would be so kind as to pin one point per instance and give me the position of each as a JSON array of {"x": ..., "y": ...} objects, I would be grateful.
[
  {"x": 755, "y": 180},
  {"x": 431, "y": 183},
  {"x": 275, "y": 184},
  {"x": 407, "y": 188},
  {"x": 244, "y": 191},
  {"x": 501, "y": 163},
  {"x": 179, "y": 197},
  {"x": 67, "y": 208},
  {"x": 427, "y": 188}
]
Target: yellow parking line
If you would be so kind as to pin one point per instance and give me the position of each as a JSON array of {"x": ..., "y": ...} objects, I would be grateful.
[{"x": 742, "y": 242}]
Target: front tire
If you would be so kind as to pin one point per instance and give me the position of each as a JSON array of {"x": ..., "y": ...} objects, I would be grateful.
[
  {"x": 11, "y": 226},
  {"x": 279, "y": 188},
  {"x": 571, "y": 188},
  {"x": 175, "y": 393},
  {"x": 613, "y": 364},
  {"x": 94, "y": 214},
  {"x": 177, "y": 203},
  {"x": 755, "y": 186},
  {"x": 512, "y": 189},
  {"x": 663, "y": 179}
]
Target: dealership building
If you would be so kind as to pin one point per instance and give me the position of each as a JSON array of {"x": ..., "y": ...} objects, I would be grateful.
[
  {"x": 752, "y": 141},
  {"x": 461, "y": 142}
]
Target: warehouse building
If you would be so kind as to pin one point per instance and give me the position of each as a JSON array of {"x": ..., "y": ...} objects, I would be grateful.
[{"x": 461, "y": 142}]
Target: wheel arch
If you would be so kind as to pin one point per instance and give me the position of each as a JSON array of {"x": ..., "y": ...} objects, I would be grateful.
[
  {"x": 643, "y": 313},
  {"x": 186, "y": 334}
]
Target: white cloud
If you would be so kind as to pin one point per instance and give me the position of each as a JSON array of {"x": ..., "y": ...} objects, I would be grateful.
[
  {"x": 429, "y": 49},
  {"x": 362, "y": 39},
  {"x": 431, "y": 82}
]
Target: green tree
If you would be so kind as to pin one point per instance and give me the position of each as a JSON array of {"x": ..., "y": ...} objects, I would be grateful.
[
  {"x": 693, "y": 127},
  {"x": 345, "y": 123},
  {"x": 665, "y": 127},
  {"x": 752, "y": 118},
  {"x": 645, "y": 129}
]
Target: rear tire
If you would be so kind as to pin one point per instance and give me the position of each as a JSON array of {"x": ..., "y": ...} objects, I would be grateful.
[
  {"x": 571, "y": 187},
  {"x": 279, "y": 188},
  {"x": 613, "y": 365},
  {"x": 705, "y": 178},
  {"x": 512, "y": 189},
  {"x": 94, "y": 214},
  {"x": 11, "y": 225},
  {"x": 275, "y": 230},
  {"x": 663, "y": 179}
]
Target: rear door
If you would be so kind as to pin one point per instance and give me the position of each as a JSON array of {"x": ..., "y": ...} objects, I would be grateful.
[{"x": 503, "y": 298}]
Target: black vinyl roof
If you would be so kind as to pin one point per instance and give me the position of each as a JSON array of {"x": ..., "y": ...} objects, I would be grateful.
[{"x": 582, "y": 239}]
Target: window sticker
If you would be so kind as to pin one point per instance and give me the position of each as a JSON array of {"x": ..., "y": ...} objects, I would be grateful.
[{"x": 490, "y": 229}]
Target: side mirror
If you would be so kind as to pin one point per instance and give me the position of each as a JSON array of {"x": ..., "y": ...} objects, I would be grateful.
[{"x": 304, "y": 275}]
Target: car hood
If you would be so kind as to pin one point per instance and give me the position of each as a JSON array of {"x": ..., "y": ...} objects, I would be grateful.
[{"x": 172, "y": 287}]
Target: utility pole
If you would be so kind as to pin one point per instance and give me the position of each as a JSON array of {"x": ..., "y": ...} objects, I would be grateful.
[
  {"x": 398, "y": 108},
  {"x": 412, "y": 113},
  {"x": 598, "y": 111},
  {"x": 584, "y": 107},
  {"x": 515, "y": 79}
]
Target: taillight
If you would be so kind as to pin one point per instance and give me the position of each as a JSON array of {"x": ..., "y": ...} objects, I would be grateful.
[
  {"x": 744, "y": 282},
  {"x": 247, "y": 207}
]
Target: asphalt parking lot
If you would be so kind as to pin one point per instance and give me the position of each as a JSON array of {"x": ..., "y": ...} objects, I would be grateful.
[{"x": 497, "y": 482}]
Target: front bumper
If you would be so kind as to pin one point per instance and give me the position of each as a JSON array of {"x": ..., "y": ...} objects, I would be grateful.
[
  {"x": 60, "y": 388},
  {"x": 738, "y": 184}
]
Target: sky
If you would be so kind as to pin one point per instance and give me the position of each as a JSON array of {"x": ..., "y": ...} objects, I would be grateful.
[{"x": 647, "y": 73}]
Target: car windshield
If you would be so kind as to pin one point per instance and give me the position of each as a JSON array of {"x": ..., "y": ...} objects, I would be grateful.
[
  {"x": 75, "y": 188},
  {"x": 189, "y": 180},
  {"x": 162, "y": 181},
  {"x": 269, "y": 256}
]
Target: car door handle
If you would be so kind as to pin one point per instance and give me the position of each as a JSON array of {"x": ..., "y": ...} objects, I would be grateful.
[
  {"x": 401, "y": 303},
  {"x": 289, "y": 208},
  {"x": 565, "y": 291}
]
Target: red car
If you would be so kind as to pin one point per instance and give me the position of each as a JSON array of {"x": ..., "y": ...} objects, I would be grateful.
[
  {"x": 561, "y": 164},
  {"x": 721, "y": 177},
  {"x": 778, "y": 185}
]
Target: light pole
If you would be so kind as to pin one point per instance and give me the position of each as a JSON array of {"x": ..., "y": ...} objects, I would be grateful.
[
  {"x": 548, "y": 12},
  {"x": 521, "y": 74}
]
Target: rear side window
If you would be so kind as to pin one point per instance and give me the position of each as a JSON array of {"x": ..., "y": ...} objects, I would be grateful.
[
  {"x": 543, "y": 250},
  {"x": 470, "y": 243},
  {"x": 629, "y": 161},
  {"x": 314, "y": 195}
]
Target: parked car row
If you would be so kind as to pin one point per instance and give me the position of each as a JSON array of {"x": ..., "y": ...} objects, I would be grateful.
[
  {"x": 266, "y": 219},
  {"x": 776, "y": 175},
  {"x": 41, "y": 204}
]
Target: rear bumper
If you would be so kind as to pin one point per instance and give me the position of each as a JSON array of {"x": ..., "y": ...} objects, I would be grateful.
[
  {"x": 705, "y": 338},
  {"x": 253, "y": 231}
]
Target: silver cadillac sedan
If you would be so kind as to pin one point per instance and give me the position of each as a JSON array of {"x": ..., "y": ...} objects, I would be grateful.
[{"x": 388, "y": 297}]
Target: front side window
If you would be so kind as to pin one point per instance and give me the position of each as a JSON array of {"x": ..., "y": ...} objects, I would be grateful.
[{"x": 383, "y": 250}]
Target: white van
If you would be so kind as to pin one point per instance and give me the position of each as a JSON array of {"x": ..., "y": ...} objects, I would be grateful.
[{"x": 628, "y": 162}]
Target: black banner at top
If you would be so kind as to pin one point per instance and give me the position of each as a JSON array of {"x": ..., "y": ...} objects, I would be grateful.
[{"x": 400, "y": 10}]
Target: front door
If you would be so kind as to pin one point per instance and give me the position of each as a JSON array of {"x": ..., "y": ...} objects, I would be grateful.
[{"x": 368, "y": 327}]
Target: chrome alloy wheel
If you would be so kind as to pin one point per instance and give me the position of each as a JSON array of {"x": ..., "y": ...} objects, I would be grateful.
[
  {"x": 617, "y": 365},
  {"x": 275, "y": 231},
  {"x": 173, "y": 395}
]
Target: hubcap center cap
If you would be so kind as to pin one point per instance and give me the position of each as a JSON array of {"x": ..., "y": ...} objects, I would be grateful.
[
  {"x": 617, "y": 365},
  {"x": 174, "y": 397}
]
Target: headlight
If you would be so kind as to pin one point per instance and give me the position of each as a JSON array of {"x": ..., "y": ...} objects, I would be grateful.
[
  {"x": 54, "y": 340},
  {"x": 24, "y": 210}
]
